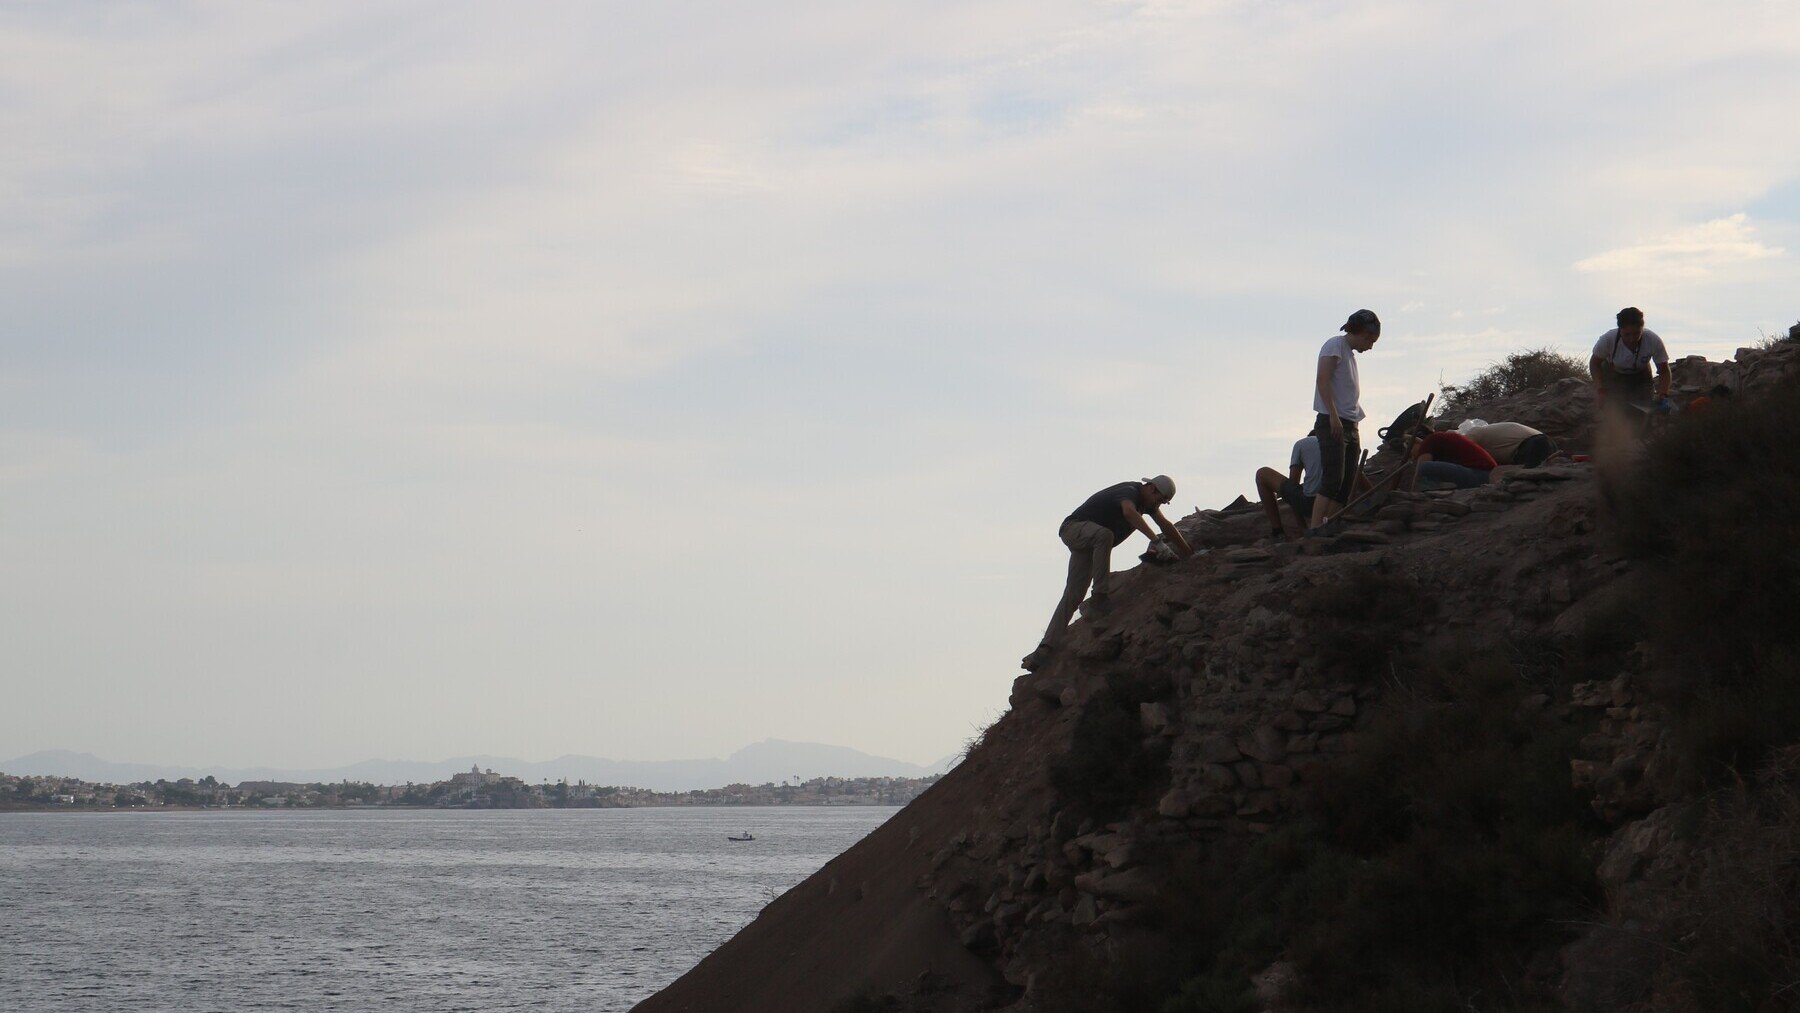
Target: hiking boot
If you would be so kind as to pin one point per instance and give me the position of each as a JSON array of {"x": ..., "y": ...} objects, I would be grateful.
[
  {"x": 1037, "y": 659},
  {"x": 1097, "y": 607}
]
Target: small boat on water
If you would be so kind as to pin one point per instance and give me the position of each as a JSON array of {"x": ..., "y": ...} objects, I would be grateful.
[{"x": 747, "y": 836}]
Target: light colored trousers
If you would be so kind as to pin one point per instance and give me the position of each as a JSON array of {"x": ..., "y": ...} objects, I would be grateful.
[{"x": 1090, "y": 560}]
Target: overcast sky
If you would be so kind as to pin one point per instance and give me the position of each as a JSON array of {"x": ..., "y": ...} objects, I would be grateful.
[{"x": 642, "y": 380}]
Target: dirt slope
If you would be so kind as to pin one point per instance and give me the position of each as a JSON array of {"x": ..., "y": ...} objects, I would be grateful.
[{"x": 860, "y": 924}]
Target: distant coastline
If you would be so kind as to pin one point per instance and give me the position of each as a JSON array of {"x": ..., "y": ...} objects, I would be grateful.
[
  {"x": 768, "y": 761},
  {"x": 472, "y": 789}
]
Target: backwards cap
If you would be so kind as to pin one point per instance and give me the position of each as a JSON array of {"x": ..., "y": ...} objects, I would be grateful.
[{"x": 1363, "y": 321}]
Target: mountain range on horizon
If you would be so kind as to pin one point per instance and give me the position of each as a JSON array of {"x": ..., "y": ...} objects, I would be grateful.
[{"x": 758, "y": 763}]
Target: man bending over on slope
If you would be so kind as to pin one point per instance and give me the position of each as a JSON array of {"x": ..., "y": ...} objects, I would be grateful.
[
  {"x": 1449, "y": 460},
  {"x": 1106, "y": 519}
]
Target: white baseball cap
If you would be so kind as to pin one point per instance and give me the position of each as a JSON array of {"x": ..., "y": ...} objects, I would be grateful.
[{"x": 1164, "y": 484}]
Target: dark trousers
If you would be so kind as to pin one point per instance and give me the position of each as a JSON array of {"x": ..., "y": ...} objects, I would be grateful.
[{"x": 1339, "y": 459}]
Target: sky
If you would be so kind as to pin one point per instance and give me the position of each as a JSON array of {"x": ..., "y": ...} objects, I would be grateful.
[{"x": 641, "y": 380}]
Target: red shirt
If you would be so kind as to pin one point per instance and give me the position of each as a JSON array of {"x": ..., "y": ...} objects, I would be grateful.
[{"x": 1457, "y": 449}]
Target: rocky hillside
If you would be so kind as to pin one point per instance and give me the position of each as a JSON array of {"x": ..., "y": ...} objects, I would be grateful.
[{"x": 1529, "y": 746}]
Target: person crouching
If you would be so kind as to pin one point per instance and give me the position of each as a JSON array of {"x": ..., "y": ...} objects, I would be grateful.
[
  {"x": 1107, "y": 518},
  {"x": 1296, "y": 488}
]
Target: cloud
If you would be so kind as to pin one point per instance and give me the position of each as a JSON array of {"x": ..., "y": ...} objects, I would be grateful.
[
  {"x": 441, "y": 343},
  {"x": 1698, "y": 251}
]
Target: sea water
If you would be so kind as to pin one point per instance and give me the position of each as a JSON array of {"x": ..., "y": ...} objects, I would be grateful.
[{"x": 417, "y": 910}]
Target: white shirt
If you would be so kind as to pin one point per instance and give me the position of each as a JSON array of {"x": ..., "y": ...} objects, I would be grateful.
[
  {"x": 1612, "y": 349},
  {"x": 1346, "y": 389},
  {"x": 1312, "y": 466}
]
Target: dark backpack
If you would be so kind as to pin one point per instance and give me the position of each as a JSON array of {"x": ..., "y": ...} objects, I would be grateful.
[{"x": 1394, "y": 435}]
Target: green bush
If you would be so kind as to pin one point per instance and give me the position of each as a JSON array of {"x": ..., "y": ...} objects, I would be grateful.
[
  {"x": 1711, "y": 511},
  {"x": 1427, "y": 869},
  {"x": 1736, "y": 922},
  {"x": 1359, "y": 620},
  {"x": 1457, "y": 838},
  {"x": 1519, "y": 372},
  {"x": 1111, "y": 764}
]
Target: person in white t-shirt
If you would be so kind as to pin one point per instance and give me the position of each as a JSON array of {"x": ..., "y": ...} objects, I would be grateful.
[
  {"x": 1621, "y": 363},
  {"x": 1337, "y": 398}
]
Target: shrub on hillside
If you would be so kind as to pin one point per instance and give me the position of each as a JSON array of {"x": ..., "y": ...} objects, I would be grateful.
[
  {"x": 1360, "y": 619},
  {"x": 1519, "y": 372},
  {"x": 1459, "y": 841},
  {"x": 1111, "y": 764},
  {"x": 1711, "y": 510},
  {"x": 1432, "y": 865},
  {"x": 1736, "y": 922}
]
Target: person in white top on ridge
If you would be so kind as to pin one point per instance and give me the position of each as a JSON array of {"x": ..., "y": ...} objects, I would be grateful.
[
  {"x": 1337, "y": 398},
  {"x": 1621, "y": 364}
]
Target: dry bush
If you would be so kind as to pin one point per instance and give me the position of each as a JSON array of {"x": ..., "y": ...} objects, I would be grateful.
[
  {"x": 1519, "y": 372},
  {"x": 1736, "y": 923},
  {"x": 1776, "y": 340}
]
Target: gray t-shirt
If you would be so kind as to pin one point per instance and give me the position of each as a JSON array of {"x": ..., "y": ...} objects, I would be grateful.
[
  {"x": 1346, "y": 388},
  {"x": 1312, "y": 466},
  {"x": 1613, "y": 350}
]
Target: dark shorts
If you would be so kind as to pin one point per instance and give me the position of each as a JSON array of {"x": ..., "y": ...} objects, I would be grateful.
[
  {"x": 1338, "y": 461},
  {"x": 1293, "y": 496},
  {"x": 1534, "y": 451}
]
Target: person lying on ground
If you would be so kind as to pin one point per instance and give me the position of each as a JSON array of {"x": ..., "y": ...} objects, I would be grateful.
[
  {"x": 1512, "y": 443},
  {"x": 1337, "y": 399},
  {"x": 1448, "y": 460},
  {"x": 1620, "y": 365},
  {"x": 1107, "y": 518}
]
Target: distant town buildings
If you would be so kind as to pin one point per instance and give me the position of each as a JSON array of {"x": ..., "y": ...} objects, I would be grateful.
[{"x": 476, "y": 789}]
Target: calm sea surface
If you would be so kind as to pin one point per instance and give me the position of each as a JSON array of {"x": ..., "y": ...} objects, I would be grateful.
[{"x": 588, "y": 909}]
